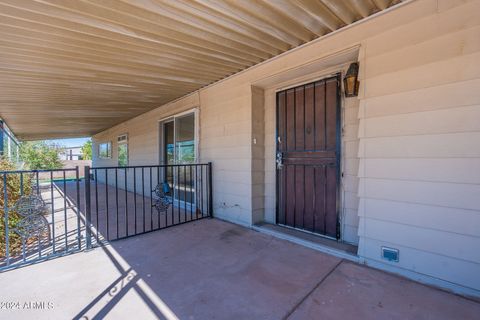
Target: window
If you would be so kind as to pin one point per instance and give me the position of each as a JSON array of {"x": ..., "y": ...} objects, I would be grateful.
[
  {"x": 105, "y": 150},
  {"x": 185, "y": 139},
  {"x": 122, "y": 150},
  {"x": 179, "y": 139}
]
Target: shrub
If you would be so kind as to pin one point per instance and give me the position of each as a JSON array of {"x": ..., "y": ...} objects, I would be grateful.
[{"x": 13, "y": 194}]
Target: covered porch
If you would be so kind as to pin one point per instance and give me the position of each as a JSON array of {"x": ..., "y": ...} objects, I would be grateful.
[{"x": 340, "y": 138}]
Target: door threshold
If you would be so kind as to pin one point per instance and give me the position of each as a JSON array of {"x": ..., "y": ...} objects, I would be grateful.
[
  {"x": 322, "y": 244},
  {"x": 306, "y": 231}
]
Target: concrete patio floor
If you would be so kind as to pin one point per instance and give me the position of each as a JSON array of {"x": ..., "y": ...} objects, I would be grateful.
[{"x": 211, "y": 269}]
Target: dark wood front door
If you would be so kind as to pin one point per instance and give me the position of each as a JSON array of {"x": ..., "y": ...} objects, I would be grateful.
[{"x": 308, "y": 157}]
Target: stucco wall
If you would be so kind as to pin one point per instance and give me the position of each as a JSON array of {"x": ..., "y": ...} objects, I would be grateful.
[{"x": 418, "y": 139}]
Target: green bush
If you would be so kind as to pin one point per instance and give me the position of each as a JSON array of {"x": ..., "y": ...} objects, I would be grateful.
[{"x": 13, "y": 194}]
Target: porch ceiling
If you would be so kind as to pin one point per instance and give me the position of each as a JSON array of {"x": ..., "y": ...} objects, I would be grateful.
[{"x": 74, "y": 68}]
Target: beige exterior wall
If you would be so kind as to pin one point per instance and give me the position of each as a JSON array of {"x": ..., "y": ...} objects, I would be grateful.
[
  {"x": 411, "y": 158},
  {"x": 419, "y": 145},
  {"x": 143, "y": 134}
]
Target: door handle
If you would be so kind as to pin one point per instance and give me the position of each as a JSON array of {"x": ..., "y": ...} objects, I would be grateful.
[{"x": 279, "y": 160}]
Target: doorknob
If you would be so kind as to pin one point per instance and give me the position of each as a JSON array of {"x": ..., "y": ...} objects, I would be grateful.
[{"x": 279, "y": 160}]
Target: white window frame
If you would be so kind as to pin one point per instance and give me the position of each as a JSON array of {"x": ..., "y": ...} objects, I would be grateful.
[
  {"x": 109, "y": 150},
  {"x": 120, "y": 143},
  {"x": 160, "y": 146}
]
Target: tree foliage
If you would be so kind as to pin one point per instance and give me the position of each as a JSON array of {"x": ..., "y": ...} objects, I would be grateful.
[
  {"x": 87, "y": 150},
  {"x": 40, "y": 155}
]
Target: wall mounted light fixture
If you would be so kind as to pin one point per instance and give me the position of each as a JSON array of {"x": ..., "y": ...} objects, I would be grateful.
[{"x": 350, "y": 82}]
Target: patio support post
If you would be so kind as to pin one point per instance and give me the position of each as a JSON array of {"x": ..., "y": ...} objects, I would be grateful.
[
  {"x": 210, "y": 191},
  {"x": 88, "y": 214}
]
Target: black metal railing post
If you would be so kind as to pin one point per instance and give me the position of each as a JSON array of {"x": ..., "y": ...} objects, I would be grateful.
[
  {"x": 77, "y": 185},
  {"x": 88, "y": 213},
  {"x": 210, "y": 191}
]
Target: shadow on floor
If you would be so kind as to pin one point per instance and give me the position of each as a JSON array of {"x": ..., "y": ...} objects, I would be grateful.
[
  {"x": 215, "y": 270},
  {"x": 210, "y": 269}
]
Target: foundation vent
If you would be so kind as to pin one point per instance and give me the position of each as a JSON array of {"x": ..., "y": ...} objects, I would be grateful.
[{"x": 390, "y": 254}]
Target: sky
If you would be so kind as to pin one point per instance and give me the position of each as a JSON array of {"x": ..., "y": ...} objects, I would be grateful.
[{"x": 73, "y": 142}]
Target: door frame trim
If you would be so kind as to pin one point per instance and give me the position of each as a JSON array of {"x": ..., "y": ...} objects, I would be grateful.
[{"x": 338, "y": 151}]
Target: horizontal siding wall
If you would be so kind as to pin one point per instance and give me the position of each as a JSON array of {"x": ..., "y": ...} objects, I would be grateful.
[
  {"x": 270, "y": 156},
  {"x": 350, "y": 163},
  {"x": 143, "y": 134},
  {"x": 420, "y": 145},
  {"x": 225, "y": 135}
]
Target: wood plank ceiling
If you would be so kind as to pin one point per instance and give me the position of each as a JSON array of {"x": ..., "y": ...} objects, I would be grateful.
[{"x": 76, "y": 67}]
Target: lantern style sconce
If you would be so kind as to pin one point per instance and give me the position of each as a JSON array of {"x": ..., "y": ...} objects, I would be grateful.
[{"x": 350, "y": 82}]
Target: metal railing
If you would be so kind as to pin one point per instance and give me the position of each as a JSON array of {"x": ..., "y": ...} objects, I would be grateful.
[
  {"x": 49, "y": 213},
  {"x": 38, "y": 221},
  {"x": 127, "y": 201}
]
